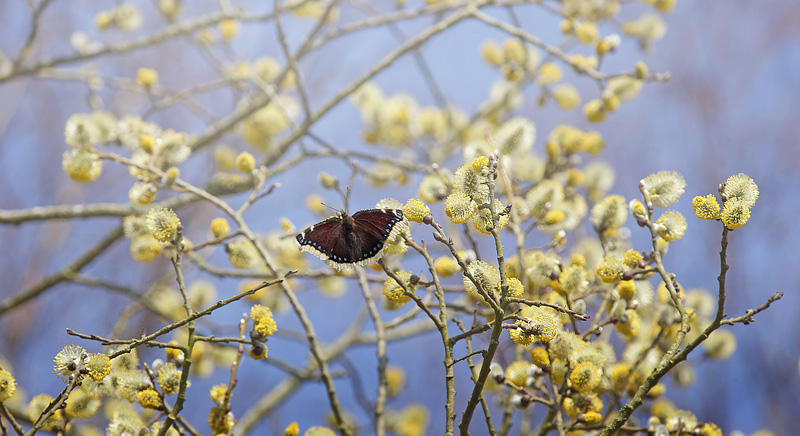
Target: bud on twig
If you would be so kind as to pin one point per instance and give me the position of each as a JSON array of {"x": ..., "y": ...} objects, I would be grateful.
[
  {"x": 627, "y": 276},
  {"x": 521, "y": 401}
]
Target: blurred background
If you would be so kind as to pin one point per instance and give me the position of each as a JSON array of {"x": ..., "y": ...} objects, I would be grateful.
[{"x": 729, "y": 107}]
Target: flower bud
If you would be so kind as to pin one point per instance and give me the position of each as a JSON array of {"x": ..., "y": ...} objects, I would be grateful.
[{"x": 328, "y": 181}]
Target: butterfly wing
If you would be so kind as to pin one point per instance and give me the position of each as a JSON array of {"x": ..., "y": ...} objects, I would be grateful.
[
  {"x": 375, "y": 227},
  {"x": 378, "y": 222},
  {"x": 321, "y": 238}
]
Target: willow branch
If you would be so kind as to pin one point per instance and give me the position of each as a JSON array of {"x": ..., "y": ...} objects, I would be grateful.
[
  {"x": 748, "y": 316},
  {"x": 552, "y": 50},
  {"x": 46, "y": 213},
  {"x": 63, "y": 275},
  {"x": 402, "y": 15},
  {"x": 380, "y": 334},
  {"x": 60, "y": 400},
  {"x": 484, "y": 405},
  {"x": 372, "y": 72},
  {"x": 10, "y": 418},
  {"x": 499, "y": 312},
  {"x": 190, "y": 341},
  {"x": 673, "y": 356},
  {"x": 291, "y": 60},
  {"x": 177, "y": 324},
  {"x": 35, "y": 25},
  {"x": 170, "y": 32},
  {"x": 449, "y": 362}
]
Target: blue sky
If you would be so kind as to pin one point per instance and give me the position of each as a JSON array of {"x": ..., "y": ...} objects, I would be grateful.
[{"x": 729, "y": 107}]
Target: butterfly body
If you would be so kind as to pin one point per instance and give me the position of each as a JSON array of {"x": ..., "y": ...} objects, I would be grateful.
[{"x": 344, "y": 241}]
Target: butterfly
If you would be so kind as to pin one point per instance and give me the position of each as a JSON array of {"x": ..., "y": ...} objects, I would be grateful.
[{"x": 344, "y": 241}]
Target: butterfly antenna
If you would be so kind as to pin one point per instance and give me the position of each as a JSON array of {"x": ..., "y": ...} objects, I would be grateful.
[{"x": 331, "y": 207}]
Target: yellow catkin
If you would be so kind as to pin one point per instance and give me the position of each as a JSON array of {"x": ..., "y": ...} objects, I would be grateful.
[{"x": 539, "y": 357}]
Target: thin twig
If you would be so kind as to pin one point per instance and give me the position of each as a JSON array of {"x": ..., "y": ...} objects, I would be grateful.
[
  {"x": 10, "y": 418},
  {"x": 570, "y": 312},
  {"x": 748, "y": 316},
  {"x": 291, "y": 60},
  {"x": 410, "y": 294},
  {"x": 484, "y": 405}
]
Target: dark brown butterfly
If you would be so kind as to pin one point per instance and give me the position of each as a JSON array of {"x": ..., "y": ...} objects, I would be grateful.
[{"x": 344, "y": 241}]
